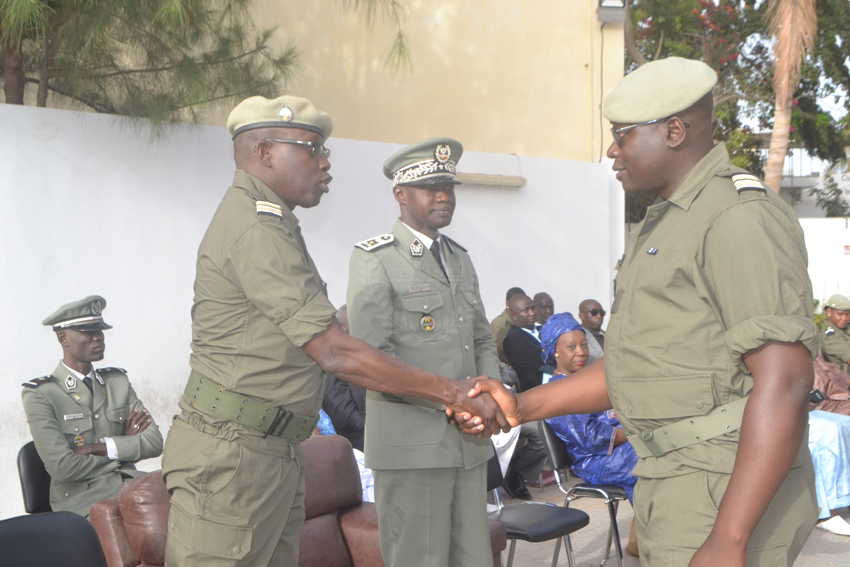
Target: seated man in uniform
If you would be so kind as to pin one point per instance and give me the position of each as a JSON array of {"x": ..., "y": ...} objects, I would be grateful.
[
  {"x": 88, "y": 425},
  {"x": 835, "y": 337}
]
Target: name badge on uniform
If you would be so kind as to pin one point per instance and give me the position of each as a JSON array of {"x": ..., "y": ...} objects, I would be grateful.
[
  {"x": 427, "y": 323},
  {"x": 418, "y": 288},
  {"x": 71, "y": 383},
  {"x": 70, "y": 416},
  {"x": 79, "y": 441}
]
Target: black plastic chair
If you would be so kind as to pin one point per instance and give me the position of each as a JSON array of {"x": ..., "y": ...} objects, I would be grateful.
[
  {"x": 46, "y": 540},
  {"x": 560, "y": 459},
  {"x": 35, "y": 482},
  {"x": 534, "y": 521}
]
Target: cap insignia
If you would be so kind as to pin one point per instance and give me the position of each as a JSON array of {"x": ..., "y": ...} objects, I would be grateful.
[
  {"x": 96, "y": 307},
  {"x": 375, "y": 242},
  {"x": 71, "y": 383},
  {"x": 416, "y": 248},
  {"x": 285, "y": 114},
  {"x": 442, "y": 153}
]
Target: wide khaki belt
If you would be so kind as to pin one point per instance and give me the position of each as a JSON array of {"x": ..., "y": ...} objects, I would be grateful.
[
  {"x": 719, "y": 421},
  {"x": 248, "y": 411}
]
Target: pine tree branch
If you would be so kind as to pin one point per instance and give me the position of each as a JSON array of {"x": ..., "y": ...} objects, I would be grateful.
[{"x": 173, "y": 67}]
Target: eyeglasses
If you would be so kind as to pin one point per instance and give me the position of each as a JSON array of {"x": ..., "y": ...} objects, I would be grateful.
[
  {"x": 595, "y": 312},
  {"x": 616, "y": 132},
  {"x": 318, "y": 150}
]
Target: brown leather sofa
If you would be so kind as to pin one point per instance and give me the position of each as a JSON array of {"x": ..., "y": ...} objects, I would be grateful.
[{"x": 340, "y": 531}]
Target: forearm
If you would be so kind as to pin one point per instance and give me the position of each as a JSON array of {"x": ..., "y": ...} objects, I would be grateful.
[
  {"x": 772, "y": 431},
  {"x": 582, "y": 392}
]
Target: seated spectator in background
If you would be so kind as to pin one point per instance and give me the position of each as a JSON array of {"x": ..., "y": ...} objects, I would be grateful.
[
  {"x": 521, "y": 344},
  {"x": 88, "y": 425},
  {"x": 544, "y": 307},
  {"x": 833, "y": 384},
  {"x": 500, "y": 325},
  {"x": 344, "y": 402},
  {"x": 591, "y": 314},
  {"x": 835, "y": 337},
  {"x": 829, "y": 444},
  {"x": 596, "y": 442}
]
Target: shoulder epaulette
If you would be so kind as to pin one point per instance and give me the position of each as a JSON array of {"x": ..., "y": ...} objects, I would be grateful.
[
  {"x": 829, "y": 331},
  {"x": 267, "y": 208},
  {"x": 36, "y": 382},
  {"x": 451, "y": 243},
  {"x": 109, "y": 369},
  {"x": 748, "y": 182},
  {"x": 375, "y": 242}
]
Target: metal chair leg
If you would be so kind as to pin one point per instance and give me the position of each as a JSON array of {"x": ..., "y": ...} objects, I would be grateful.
[
  {"x": 557, "y": 552},
  {"x": 613, "y": 533},
  {"x": 540, "y": 482},
  {"x": 511, "y": 553},
  {"x": 569, "y": 545}
]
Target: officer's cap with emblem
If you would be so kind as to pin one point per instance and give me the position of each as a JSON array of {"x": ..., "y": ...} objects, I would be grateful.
[
  {"x": 425, "y": 163},
  {"x": 283, "y": 112},
  {"x": 83, "y": 315},
  {"x": 838, "y": 302},
  {"x": 658, "y": 89}
]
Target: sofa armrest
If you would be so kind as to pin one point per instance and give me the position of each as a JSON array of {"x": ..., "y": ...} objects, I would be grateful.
[
  {"x": 107, "y": 521},
  {"x": 359, "y": 527}
]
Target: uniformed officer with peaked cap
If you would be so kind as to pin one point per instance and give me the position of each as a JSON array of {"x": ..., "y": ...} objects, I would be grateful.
[
  {"x": 88, "y": 425},
  {"x": 835, "y": 337},
  {"x": 413, "y": 293},
  {"x": 708, "y": 352},
  {"x": 263, "y": 331}
]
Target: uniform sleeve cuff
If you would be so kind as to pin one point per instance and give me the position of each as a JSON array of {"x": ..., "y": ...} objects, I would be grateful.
[
  {"x": 111, "y": 448},
  {"x": 752, "y": 333},
  {"x": 309, "y": 321}
]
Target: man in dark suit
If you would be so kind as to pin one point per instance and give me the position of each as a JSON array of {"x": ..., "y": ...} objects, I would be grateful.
[
  {"x": 345, "y": 403},
  {"x": 522, "y": 345}
]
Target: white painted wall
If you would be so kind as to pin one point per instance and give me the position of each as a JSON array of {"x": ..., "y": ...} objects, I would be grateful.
[
  {"x": 828, "y": 244},
  {"x": 89, "y": 205}
]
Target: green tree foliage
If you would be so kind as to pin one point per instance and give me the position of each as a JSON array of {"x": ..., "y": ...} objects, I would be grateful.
[
  {"x": 830, "y": 198},
  {"x": 732, "y": 37},
  {"x": 158, "y": 59}
]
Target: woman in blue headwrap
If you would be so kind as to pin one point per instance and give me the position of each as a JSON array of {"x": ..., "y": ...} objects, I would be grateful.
[{"x": 596, "y": 442}]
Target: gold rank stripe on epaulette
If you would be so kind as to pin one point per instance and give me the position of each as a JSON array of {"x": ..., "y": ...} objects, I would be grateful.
[
  {"x": 267, "y": 208},
  {"x": 748, "y": 182},
  {"x": 36, "y": 382},
  {"x": 375, "y": 242},
  {"x": 829, "y": 331}
]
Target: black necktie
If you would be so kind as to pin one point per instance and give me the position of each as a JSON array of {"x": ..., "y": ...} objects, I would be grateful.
[
  {"x": 87, "y": 382},
  {"x": 435, "y": 250}
]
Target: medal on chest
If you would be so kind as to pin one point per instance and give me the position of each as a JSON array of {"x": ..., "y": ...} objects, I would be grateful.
[
  {"x": 427, "y": 323},
  {"x": 79, "y": 441}
]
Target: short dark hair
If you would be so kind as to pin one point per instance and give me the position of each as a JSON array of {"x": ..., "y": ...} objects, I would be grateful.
[{"x": 512, "y": 292}]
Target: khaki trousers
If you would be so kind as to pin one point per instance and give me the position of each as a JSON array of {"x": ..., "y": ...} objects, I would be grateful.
[
  {"x": 232, "y": 504},
  {"x": 433, "y": 517},
  {"x": 675, "y": 515}
]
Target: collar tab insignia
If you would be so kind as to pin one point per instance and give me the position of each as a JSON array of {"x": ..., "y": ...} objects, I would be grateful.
[
  {"x": 70, "y": 383},
  {"x": 416, "y": 248}
]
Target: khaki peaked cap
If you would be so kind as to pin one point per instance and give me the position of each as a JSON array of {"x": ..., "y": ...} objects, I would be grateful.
[
  {"x": 428, "y": 162},
  {"x": 283, "y": 112},
  {"x": 838, "y": 302},
  {"x": 83, "y": 315},
  {"x": 658, "y": 89}
]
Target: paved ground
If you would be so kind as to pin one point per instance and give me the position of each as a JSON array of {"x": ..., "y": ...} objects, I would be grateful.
[{"x": 822, "y": 550}]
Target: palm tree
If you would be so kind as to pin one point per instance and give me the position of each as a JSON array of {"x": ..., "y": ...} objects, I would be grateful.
[{"x": 792, "y": 24}]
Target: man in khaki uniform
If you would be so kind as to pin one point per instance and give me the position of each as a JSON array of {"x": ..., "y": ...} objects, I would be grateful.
[
  {"x": 413, "y": 293},
  {"x": 835, "y": 337},
  {"x": 500, "y": 325},
  {"x": 708, "y": 354},
  {"x": 263, "y": 331},
  {"x": 88, "y": 425}
]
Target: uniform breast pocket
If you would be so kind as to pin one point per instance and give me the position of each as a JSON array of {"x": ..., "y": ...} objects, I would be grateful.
[
  {"x": 117, "y": 417},
  {"x": 76, "y": 427},
  {"x": 421, "y": 314}
]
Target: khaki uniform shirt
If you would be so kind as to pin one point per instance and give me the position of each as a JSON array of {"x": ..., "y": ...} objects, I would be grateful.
[
  {"x": 835, "y": 344},
  {"x": 63, "y": 414},
  {"x": 393, "y": 298},
  {"x": 499, "y": 328},
  {"x": 711, "y": 274},
  {"x": 258, "y": 300}
]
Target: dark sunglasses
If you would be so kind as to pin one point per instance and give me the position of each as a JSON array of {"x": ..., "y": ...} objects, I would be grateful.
[{"x": 595, "y": 312}]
